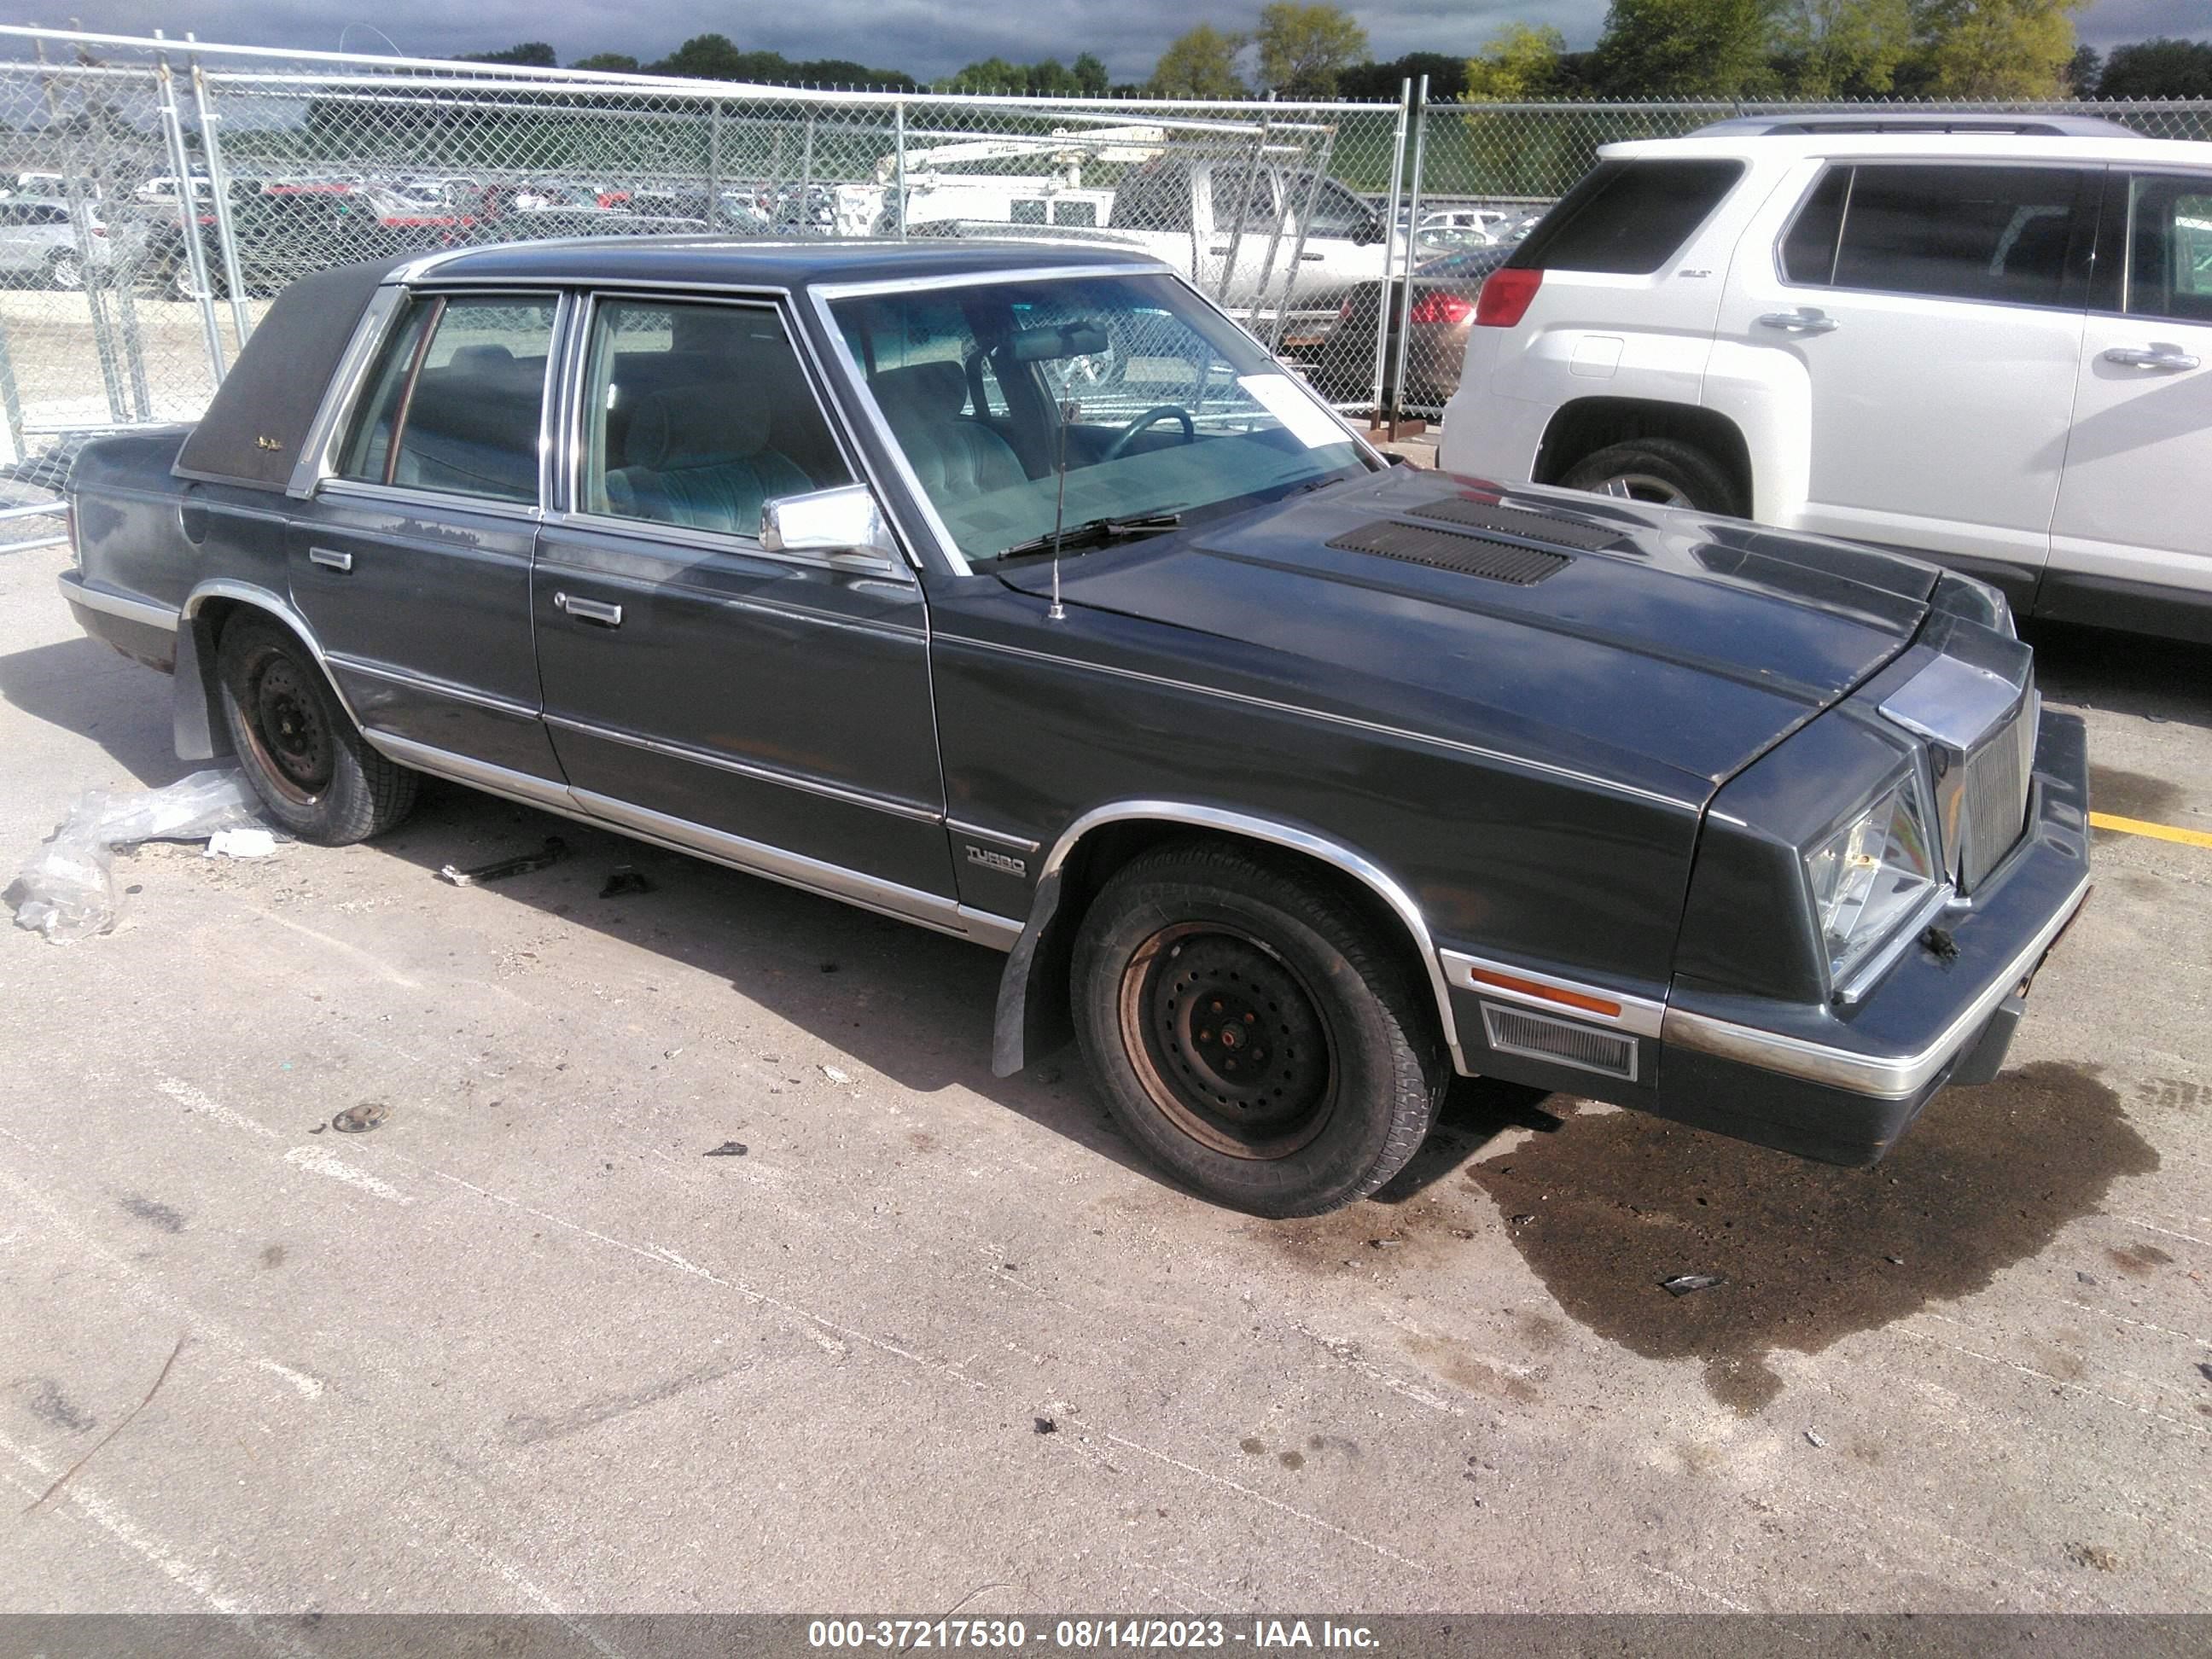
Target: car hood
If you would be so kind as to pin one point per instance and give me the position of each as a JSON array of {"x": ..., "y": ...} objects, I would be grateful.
[{"x": 1656, "y": 648}]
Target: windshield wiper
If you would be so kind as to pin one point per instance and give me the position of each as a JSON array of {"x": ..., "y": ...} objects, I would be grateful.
[{"x": 1096, "y": 532}]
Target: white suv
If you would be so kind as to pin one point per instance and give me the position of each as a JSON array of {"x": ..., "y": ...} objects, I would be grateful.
[{"x": 1992, "y": 348}]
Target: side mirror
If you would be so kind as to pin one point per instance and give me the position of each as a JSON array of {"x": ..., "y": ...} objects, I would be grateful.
[{"x": 843, "y": 523}]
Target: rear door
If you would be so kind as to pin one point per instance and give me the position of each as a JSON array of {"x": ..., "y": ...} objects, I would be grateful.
[
  {"x": 1933, "y": 313},
  {"x": 2132, "y": 531},
  {"x": 769, "y": 709},
  {"x": 412, "y": 565}
]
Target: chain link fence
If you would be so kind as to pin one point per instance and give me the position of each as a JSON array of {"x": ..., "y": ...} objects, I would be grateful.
[{"x": 154, "y": 195}]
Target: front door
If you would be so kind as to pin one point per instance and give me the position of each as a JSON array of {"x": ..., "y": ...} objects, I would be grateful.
[
  {"x": 771, "y": 710},
  {"x": 412, "y": 565},
  {"x": 1934, "y": 313},
  {"x": 2131, "y": 526}
]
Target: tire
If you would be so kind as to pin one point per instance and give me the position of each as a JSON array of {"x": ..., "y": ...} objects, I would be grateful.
[
  {"x": 66, "y": 271},
  {"x": 177, "y": 285},
  {"x": 1345, "y": 1070},
  {"x": 1666, "y": 471},
  {"x": 295, "y": 744}
]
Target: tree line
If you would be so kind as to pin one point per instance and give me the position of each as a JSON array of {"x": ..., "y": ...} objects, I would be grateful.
[{"x": 1822, "y": 49}]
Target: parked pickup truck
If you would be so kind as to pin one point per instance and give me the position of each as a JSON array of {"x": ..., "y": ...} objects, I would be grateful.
[
  {"x": 1229, "y": 225},
  {"x": 1029, "y": 601}
]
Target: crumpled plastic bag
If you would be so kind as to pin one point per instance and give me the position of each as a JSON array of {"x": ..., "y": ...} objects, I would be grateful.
[{"x": 67, "y": 892}]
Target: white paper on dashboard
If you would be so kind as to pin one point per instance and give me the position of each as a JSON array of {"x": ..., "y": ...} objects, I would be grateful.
[{"x": 1281, "y": 398}]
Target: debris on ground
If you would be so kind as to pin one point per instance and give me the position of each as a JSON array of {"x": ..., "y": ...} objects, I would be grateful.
[
  {"x": 2093, "y": 1555},
  {"x": 240, "y": 844},
  {"x": 1894, "y": 1260},
  {"x": 1522, "y": 1220},
  {"x": 2204, "y": 1367},
  {"x": 67, "y": 892},
  {"x": 728, "y": 1148},
  {"x": 834, "y": 1075},
  {"x": 1384, "y": 1243},
  {"x": 828, "y": 967},
  {"x": 2086, "y": 1278},
  {"x": 553, "y": 851},
  {"x": 360, "y": 1120},
  {"x": 626, "y": 879},
  {"x": 1046, "y": 1426},
  {"x": 1683, "y": 1284},
  {"x": 1814, "y": 1440}
]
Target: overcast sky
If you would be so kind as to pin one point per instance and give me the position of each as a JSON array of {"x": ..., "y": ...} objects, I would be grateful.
[{"x": 924, "y": 37}]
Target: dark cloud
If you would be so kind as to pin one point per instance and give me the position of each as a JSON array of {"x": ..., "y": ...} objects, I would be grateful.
[{"x": 923, "y": 37}]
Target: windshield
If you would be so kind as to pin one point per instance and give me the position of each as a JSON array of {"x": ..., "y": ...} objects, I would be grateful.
[{"x": 1160, "y": 404}]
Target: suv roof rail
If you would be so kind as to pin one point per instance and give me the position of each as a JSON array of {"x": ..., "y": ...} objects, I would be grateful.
[{"x": 2040, "y": 127}]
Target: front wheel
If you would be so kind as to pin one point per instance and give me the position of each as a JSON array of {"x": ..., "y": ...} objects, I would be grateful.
[
  {"x": 297, "y": 746},
  {"x": 1665, "y": 471},
  {"x": 1252, "y": 1033},
  {"x": 65, "y": 270}
]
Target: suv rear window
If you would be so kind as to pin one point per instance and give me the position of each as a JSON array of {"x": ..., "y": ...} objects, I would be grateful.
[
  {"x": 1627, "y": 218},
  {"x": 2000, "y": 233}
]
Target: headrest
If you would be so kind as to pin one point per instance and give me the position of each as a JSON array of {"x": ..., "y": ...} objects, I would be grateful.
[
  {"x": 484, "y": 359},
  {"x": 696, "y": 426},
  {"x": 939, "y": 388}
]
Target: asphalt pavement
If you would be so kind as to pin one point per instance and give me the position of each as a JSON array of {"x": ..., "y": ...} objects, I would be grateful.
[{"x": 698, "y": 1263}]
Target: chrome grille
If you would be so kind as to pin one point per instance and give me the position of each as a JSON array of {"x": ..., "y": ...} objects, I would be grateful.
[{"x": 1995, "y": 806}]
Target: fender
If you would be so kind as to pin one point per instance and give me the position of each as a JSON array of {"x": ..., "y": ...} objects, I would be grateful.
[
  {"x": 198, "y": 728},
  {"x": 1032, "y": 1021}
]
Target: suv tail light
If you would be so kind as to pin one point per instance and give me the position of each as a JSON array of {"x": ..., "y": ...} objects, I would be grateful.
[
  {"x": 1444, "y": 308},
  {"x": 1505, "y": 296}
]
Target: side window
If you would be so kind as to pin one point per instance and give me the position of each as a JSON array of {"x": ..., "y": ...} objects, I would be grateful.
[
  {"x": 1075, "y": 213},
  {"x": 2170, "y": 248},
  {"x": 698, "y": 415},
  {"x": 1628, "y": 218},
  {"x": 454, "y": 402},
  {"x": 1964, "y": 232},
  {"x": 1026, "y": 210},
  {"x": 1809, "y": 248},
  {"x": 1337, "y": 212}
]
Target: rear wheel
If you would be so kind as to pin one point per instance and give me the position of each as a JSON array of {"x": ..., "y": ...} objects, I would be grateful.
[
  {"x": 302, "y": 754},
  {"x": 65, "y": 270},
  {"x": 1665, "y": 471},
  {"x": 1252, "y": 1033}
]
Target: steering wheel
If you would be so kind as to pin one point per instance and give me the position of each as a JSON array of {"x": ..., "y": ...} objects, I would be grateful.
[{"x": 1145, "y": 422}]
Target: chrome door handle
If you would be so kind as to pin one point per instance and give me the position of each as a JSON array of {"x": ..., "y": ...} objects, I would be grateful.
[
  {"x": 2157, "y": 354},
  {"x": 1804, "y": 320},
  {"x": 330, "y": 558},
  {"x": 588, "y": 610}
]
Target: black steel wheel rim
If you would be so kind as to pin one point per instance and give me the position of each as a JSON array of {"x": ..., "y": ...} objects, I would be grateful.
[
  {"x": 291, "y": 729},
  {"x": 1228, "y": 1041}
]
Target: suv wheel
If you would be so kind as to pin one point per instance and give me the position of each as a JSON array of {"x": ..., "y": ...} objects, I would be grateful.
[
  {"x": 65, "y": 270},
  {"x": 180, "y": 285},
  {"x": 1251, "y": 1033},
  {"x": 1666, "y": 471},
  {"x": 303, "y": 756}
]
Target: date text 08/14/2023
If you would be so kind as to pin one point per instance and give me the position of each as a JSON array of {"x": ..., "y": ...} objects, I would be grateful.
[{"x": 1088, "y": 1635}]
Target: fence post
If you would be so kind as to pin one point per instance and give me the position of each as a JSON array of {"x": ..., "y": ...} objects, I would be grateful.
[
  {"x": 1412, "y": 229},
  {"x": 1243, "y": 206},
  {"x": 1305, "y": 227},
  {"x": 11, "y": 401},
  {"x": 715, "y": 165},
  {"x": 188, "y": 216},
  {"x": 73, "y": 191},
  {"x": 806, "y": 177},
  {"x": 898, "y": 132},
  {"x": 226, "y": 235},
  {"x": 1383, "y": 306}
]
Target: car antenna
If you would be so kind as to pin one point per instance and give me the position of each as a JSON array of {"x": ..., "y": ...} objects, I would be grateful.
[{"x": 1068, "y": 413}]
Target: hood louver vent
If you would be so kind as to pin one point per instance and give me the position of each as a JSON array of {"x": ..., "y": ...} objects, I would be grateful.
[
  {"x": 1450, "y": 550},
  {"x": 1513, "y": 521}
]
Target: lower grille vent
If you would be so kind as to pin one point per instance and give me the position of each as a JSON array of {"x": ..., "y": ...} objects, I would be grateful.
[
  {"x": 1450, "y": 550},
  {"x": 1540, "y": 1036},
  {"x": 1516, "y": 521}
]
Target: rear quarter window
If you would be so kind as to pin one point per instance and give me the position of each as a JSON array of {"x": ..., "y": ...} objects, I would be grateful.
[{"x": 1628, "y": 218}]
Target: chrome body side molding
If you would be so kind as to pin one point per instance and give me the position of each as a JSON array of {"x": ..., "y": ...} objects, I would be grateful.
[
  {"x": 754, "y": 858},
  {"x": 77, "y": 591}
]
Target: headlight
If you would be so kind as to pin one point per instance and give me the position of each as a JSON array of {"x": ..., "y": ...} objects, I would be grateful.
[{"x": 1871, "y": 876}]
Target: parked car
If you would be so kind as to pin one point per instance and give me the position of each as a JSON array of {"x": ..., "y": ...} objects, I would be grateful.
[
  {"x": 1024, "y": 598},
  {"x": 1990, "y": 347},
  {"x": 1445, "y": 292},
  {"x": 1484, "y": 223},
  {"x": 39, "y": 243}
]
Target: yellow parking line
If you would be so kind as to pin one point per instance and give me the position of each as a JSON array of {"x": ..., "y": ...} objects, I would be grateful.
[{"x": 2156, "y": 831}]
